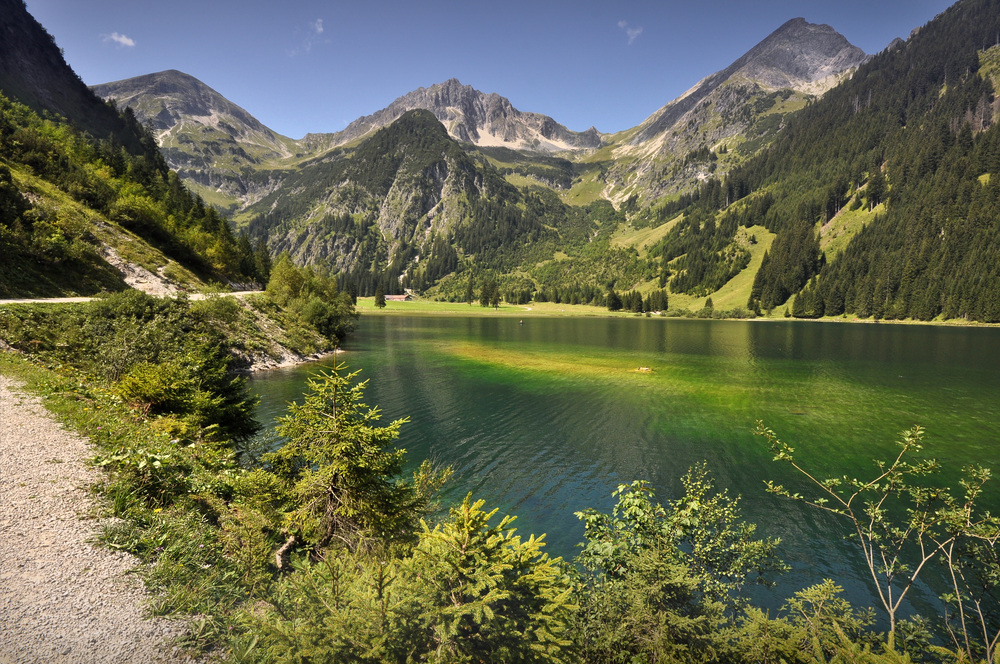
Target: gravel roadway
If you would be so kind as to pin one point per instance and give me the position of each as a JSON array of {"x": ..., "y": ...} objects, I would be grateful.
[{"x": 62, "y": 599}]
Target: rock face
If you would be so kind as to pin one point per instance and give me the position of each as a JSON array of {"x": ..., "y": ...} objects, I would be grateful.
[
  {"x": 798, "y": 56},
  {"x": 482, "y": 119}
]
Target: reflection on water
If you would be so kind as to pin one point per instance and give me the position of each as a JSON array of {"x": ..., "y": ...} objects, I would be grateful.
[{"x": 547, "y": 417}]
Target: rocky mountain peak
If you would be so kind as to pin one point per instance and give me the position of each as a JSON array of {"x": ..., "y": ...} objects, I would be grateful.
[
  {"x": 206, "y": 138},
  {"x": 475, "y": 117},
  {"x": 167, "y": 98},
  {"x": 799, "y": 55}
]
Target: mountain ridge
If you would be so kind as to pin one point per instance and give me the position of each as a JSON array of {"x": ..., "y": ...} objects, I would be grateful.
[
  {"x": 483, "y": 119},
  {"x": 209, "y": 140},
  {"x": 194, "y": 99},
  {"x": 648, "y": 160},
  {"x": 736, "y": 105},
  {"x": 779, "y": 61}
]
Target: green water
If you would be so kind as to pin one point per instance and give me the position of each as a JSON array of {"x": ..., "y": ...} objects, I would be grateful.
[{"x": 547, "y": 417}]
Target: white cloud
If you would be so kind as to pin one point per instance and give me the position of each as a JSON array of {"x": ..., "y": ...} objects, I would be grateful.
[
  {"x": 630, "y": 32},
  {"x": 311, "y": 37},
  {"x": 119, "y": 39}
]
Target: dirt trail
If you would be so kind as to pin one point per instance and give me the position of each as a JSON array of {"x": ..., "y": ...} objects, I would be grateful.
[{"x": 62, "y": 599}]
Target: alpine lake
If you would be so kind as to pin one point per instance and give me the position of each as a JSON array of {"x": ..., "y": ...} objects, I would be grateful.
[{"x": 543, "y": 417}]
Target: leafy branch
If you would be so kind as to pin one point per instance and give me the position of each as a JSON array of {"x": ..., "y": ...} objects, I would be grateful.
[{"x": 904, "y": 527}]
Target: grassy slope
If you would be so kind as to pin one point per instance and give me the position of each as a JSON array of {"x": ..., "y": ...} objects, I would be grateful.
[
  {"x": 989, "y": 64},
  {"x": 586, "y": 188},
  {"x": 77, "y": 220},
  {"x": 642, "y": 238},
  {"x": 737, "y": 291},
  {"x": 839, "y": 231}
]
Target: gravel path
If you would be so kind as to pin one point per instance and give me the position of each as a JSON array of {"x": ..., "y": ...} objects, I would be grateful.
[{"x": 62, "y": 600}]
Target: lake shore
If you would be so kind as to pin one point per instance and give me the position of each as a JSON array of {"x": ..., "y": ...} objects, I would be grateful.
[
  {"x": 417, "y": 307},
  {"x": 289, "y": 359}
]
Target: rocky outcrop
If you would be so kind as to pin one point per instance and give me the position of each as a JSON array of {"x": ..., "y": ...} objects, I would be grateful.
[{"x": 475, "y": 117}]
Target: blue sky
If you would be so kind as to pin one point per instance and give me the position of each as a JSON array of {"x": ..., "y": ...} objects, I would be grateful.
[{"x": 315, "y": 65}]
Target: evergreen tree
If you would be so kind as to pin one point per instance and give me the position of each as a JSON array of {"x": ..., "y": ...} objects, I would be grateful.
[
  {"x": 613, "y": 300},
  {"x": 876, "y": 188},
  {"x": 380, "y": 297},
  {"x": 262, "y": 256},
  {"x": 342, "y": 469},
  {"x": 490, "y": 294},
  {"x": 469, "y": 295}
]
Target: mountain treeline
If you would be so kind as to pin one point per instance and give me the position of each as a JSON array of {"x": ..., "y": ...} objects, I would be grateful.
[{"x": 410, "y": 208}]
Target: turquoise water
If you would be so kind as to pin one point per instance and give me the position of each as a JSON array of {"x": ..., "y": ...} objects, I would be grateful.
[{"x": 547, "y": 417}]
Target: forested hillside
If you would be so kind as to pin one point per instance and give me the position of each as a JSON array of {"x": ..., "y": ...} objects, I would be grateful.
[
  {"x": 910, "y": 140},
  {"x": 410, "y": 207},
  {"x": 67, "y": 202}
]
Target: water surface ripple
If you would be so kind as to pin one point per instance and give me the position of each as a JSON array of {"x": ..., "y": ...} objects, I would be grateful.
[{"x": 547, "y": 417}]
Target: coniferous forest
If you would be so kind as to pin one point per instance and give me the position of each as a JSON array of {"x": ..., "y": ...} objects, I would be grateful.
[{"x": 911, "y": 136}]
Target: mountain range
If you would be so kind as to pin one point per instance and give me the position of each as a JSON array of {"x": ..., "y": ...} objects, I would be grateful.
[
  {"x": 806, "y": 177},
  {"x": 297, "y": 194},
  {"x": 211, "y": 141}
]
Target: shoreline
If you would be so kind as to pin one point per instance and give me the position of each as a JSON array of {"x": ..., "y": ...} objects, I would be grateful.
[
  {"x": 462, "y": 310},
  {"x": 287, "y": 361}
]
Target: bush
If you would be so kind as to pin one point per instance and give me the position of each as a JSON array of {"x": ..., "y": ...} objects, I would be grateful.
[{"x": 225, "y": 310}]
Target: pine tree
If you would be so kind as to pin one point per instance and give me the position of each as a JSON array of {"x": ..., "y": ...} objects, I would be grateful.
[
  {"x": 614, "y": 301},
  {"x": 469, "y": 294}
]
